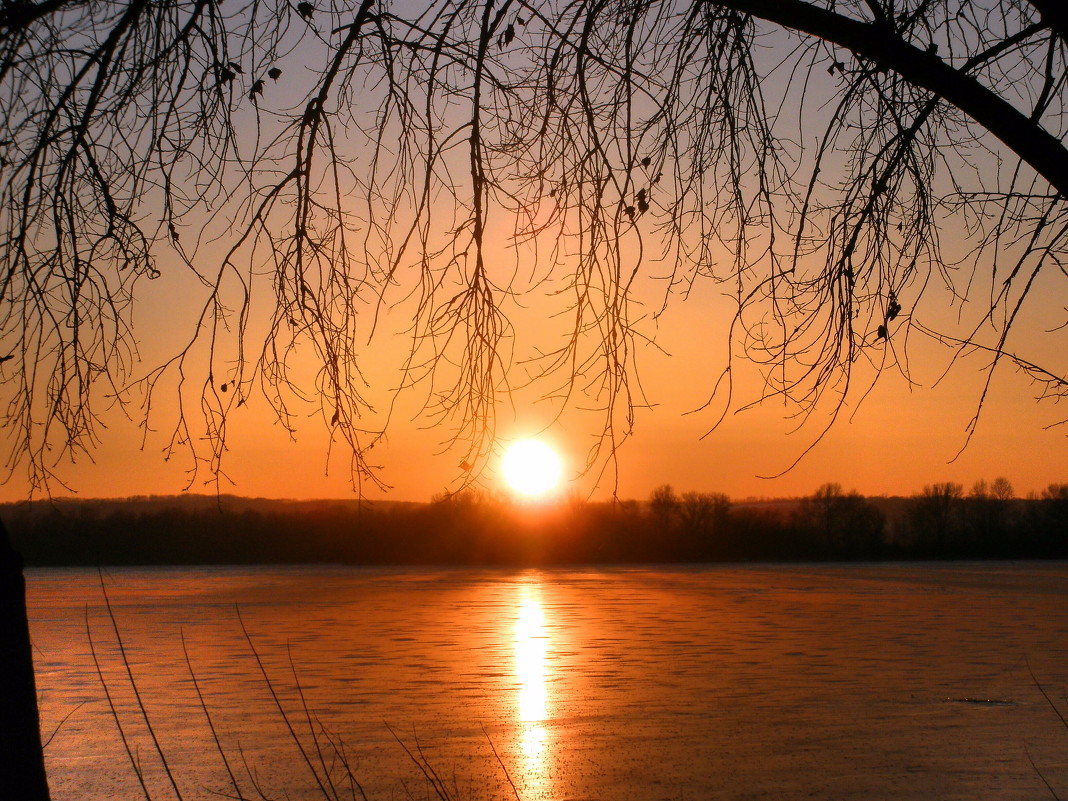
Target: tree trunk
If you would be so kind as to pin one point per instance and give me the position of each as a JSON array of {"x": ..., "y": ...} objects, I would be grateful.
[{"x": 22, "y": 771}]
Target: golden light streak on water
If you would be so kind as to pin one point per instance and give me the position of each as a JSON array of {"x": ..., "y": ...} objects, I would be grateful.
[
  {"x": 532, "y": 674},
  {"x": 531, "y": 646}
]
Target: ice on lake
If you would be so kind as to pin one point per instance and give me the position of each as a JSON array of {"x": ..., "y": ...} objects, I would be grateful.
[{"x": 785, "y": 682}]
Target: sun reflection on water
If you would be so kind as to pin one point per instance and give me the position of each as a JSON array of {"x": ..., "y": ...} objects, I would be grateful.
[{"x": 531, "y": 671}]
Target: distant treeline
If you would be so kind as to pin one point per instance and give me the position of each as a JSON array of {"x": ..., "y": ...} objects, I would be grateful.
[{"x": 471, "y": 528}]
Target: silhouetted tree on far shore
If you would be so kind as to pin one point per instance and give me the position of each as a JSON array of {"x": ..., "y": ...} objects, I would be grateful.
[
  {"x": 987, "y": 512},
  {"x": 936, "y": 515},
  {"x": 664, "y": 506},
  {"x": 704, "y": 515},
  {"x": 1053, "y": 524},
  {"x": 842, "y": 524}
]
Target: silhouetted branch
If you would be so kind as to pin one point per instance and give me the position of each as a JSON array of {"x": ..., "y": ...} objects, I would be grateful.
[{"x": 314, "y": 180}]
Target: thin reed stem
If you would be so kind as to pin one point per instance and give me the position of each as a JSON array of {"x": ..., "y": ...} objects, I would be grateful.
[
  {"x": 1045, "y": 695},
  {"x": 114, "y": 711},
  {"x": 59, "y": 726},
  {"x": 421, "y": 762},
  {"x": 211, "y": 724},
  {"x": 137, "y": 693},
  {"x": 339, "y": 751},
  {"x": 311, "y": 724},
  {"x": 281, "y": 709},
  {"x": 500, "y": 762}
]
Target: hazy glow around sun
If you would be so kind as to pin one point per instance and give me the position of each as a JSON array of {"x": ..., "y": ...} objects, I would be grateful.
[{"x": 531, "y": 467}]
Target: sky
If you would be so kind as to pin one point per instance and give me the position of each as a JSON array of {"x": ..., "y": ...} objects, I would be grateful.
[
  {"x": 907, "y": 431},
  {"x": 893, "y": 441}
]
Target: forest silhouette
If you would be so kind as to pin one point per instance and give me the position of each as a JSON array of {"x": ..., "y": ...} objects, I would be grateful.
[{"x": 473, "y": 528}]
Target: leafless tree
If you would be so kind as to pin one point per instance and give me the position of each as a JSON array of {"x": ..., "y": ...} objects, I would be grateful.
[
  {"x": 298, "y": 169},
  {"x": 302, "y": 167}
]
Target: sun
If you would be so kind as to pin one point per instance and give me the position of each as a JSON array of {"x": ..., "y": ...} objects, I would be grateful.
[{"x": 531, "y": 467}]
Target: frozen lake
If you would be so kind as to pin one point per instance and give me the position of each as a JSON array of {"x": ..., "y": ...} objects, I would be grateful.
[{"x": 653, "y": 684}]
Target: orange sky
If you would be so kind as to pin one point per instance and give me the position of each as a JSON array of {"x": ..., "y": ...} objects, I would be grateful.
[{"x": 896, "y": 441}]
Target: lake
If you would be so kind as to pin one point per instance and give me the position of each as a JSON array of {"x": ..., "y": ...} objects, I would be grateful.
[{"x": 653, "y": 684}]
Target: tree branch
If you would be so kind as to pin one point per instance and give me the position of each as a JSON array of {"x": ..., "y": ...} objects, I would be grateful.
[{"x": 881, "y": 44}]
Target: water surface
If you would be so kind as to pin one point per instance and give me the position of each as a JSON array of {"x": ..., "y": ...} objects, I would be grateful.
[{"x": 844, "y": 682}]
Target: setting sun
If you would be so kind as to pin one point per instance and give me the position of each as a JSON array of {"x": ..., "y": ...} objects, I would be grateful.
[{"x": 531, "y": 467}]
